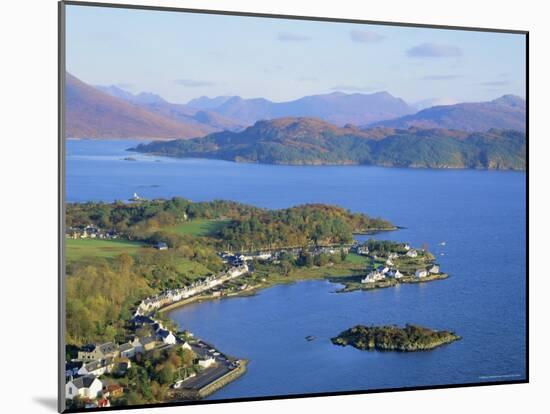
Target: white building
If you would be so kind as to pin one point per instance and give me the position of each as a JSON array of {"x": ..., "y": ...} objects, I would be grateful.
[
  {"x": 434, "y": 269},
  {"x": 166, "y": 336},
  {"x": 412, "y": 253},
  {"x": 420, "y": 273},
  {"x": 84, "y": 387},
  {"x": 395, "y": 273},
  {"x": 389, "y": 262},
  {"x": 127, "y": 350},
  {"x": 206, "y": 362}
]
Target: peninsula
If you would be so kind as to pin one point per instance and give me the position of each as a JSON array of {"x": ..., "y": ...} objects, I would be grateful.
[
  {"x": 392, "y": 338},
  {"x": 311, "y": 141}
]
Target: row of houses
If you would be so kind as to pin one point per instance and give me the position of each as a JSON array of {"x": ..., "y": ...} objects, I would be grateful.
[
  {"x": 383, "y": 271},
  {"x": 175, "y": 295},
  {"x": 380, "y": 273},
  {"x": 90, "y": 232}
]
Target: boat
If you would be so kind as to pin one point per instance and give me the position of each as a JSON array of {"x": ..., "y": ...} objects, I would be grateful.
[{"x": 310, "y": 338}]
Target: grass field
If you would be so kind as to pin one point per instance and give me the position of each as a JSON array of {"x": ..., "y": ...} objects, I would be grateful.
[
  {"x": 79, "y": 248},
  {"x": 356, "y": 259},
  {"x": 200, "y": 227}
]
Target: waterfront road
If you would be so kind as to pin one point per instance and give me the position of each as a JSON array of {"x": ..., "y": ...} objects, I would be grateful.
[{"x": 206, "y": 377}]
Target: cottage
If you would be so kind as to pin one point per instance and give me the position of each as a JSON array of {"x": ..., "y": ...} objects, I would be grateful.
[
  {"x": 127, "y": 350},
  {"x": 185, "y": 346},
  {"x": 407, "y": 247},
  {"x": 389, "y": 262},
  {"x": 363, "y": 250},
  {"x": 166, "y": 336},
  {"x": 393, "y": 255},
  {"x": 434, "y": 269},
  {"x": 373, "y": 277},
  {"x": 395, "y": 273},
  {"x": 382, "y": 269},
  {"x": 420, "y": 273},
  {"x": 206, "y": 362},
  {"x": 412, "y": 253},
  {"x": 97, "y": 368},
  {"x": 72, "y": 368},
  {"x": 161, "y": 246},
  {"x": 85, "y": 387},
  {"x": 94, "y": 352},
  {"x": 113, "y": 391}
]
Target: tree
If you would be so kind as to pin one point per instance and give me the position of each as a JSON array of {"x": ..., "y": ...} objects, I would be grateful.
[{"x": 166, "y": 374}]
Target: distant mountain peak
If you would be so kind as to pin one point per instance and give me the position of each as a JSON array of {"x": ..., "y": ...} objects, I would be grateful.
[
  {"x": 510, "y": 100},
  {"x": 506, "y": 112}
]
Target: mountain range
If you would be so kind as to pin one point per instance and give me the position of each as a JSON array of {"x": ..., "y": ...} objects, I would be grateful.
[
  {"x": 91, "y": 113},
  {"x": 337, "y": 108},
  {"x": 311, "y": 141},
  {"x": 112, "y": 112},
  {"x": 506, "y": 112}
]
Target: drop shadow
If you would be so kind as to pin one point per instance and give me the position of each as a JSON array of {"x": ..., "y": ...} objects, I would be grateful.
[{"x": 47, "y": 402}]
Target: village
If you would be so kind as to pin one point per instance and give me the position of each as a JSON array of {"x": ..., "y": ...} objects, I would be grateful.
[
  {"x": 84, "y": 374},
  {"x": 389, "y": 268},
  {"x": 91, "y": 375}
]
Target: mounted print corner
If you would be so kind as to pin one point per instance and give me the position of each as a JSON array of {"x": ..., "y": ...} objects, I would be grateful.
[{"x": 260, "y": 206}]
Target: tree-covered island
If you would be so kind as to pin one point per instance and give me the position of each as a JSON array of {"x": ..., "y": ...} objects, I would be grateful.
[
  {"x": 393, "y": 338},
  {"x": 128, "y": 262}
]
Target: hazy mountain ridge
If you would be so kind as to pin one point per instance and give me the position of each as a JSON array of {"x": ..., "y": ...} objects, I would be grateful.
[
  {"x": 91, "y": 113},
  {"x": 506, "y": 112},
  {"x": 310, "y": 141},
  {"x": 337, "y": 107},
  {"x": 205, "y": 120}
]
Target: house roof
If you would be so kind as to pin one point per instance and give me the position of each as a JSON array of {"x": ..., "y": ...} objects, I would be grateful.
[
  {"x": 163, "y": 333},
  {"x": 108, "y": 347},
  {"x": 84, "y": 382},
  {"x": 126, "y": 347}
]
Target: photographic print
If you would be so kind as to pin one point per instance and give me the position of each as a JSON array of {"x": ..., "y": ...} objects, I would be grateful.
[{"x": 263, "y": 206}]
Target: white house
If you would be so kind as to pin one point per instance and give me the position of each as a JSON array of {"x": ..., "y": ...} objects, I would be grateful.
[
  {"x": 85, "y": 387},
  {"x": 206, "y": 362},
  {"x": 434, "y": 269},
  {"x": 395, "y": 273},
  {"x": 393, "y": 255},
  {"x": 127, "y": 350},
  {"x": 166, "y": 336},
  {"x": 185, "y": 346},
  {"x": 373, "y": 277},
  {"x": 412, "y": 253},
  {"x": 407, "y": 247},
  {"x": 389, "y": 262},
  {"x": 421, "y": 273},
  {"x": 363, "y": 250},
  {"x": 96, "y": 368}
]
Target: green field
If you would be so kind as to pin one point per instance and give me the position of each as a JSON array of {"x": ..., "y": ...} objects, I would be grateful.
[
  {"x": 200, "y": 227},
  {"x": 356, "y": 259},
  {"x": 79, "y": 248}
]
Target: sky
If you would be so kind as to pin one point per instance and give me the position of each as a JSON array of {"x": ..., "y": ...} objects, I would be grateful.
[{"x": 181, "y": 56}]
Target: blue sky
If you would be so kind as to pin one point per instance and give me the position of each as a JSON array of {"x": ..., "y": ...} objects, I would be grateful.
[{"x": 181, "y": 56}]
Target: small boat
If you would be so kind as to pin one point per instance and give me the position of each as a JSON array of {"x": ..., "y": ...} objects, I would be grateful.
[
  {"x": 442, "y": 243},
  {"x": 310, "y": 338}
]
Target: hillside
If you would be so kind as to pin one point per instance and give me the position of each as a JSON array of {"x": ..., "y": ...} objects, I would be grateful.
[
  {"x": 338, "y": 108},
  {"x": 310, "y": 141},
  {"x": 506, "y": 112},
  {"x": 91, "y": 113}
]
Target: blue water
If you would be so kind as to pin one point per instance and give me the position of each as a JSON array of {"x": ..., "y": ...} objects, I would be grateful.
[{"x": 480, "y": 215}]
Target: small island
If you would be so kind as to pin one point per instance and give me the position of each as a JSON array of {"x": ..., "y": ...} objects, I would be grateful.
[{"x": 393, "y": 338}]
